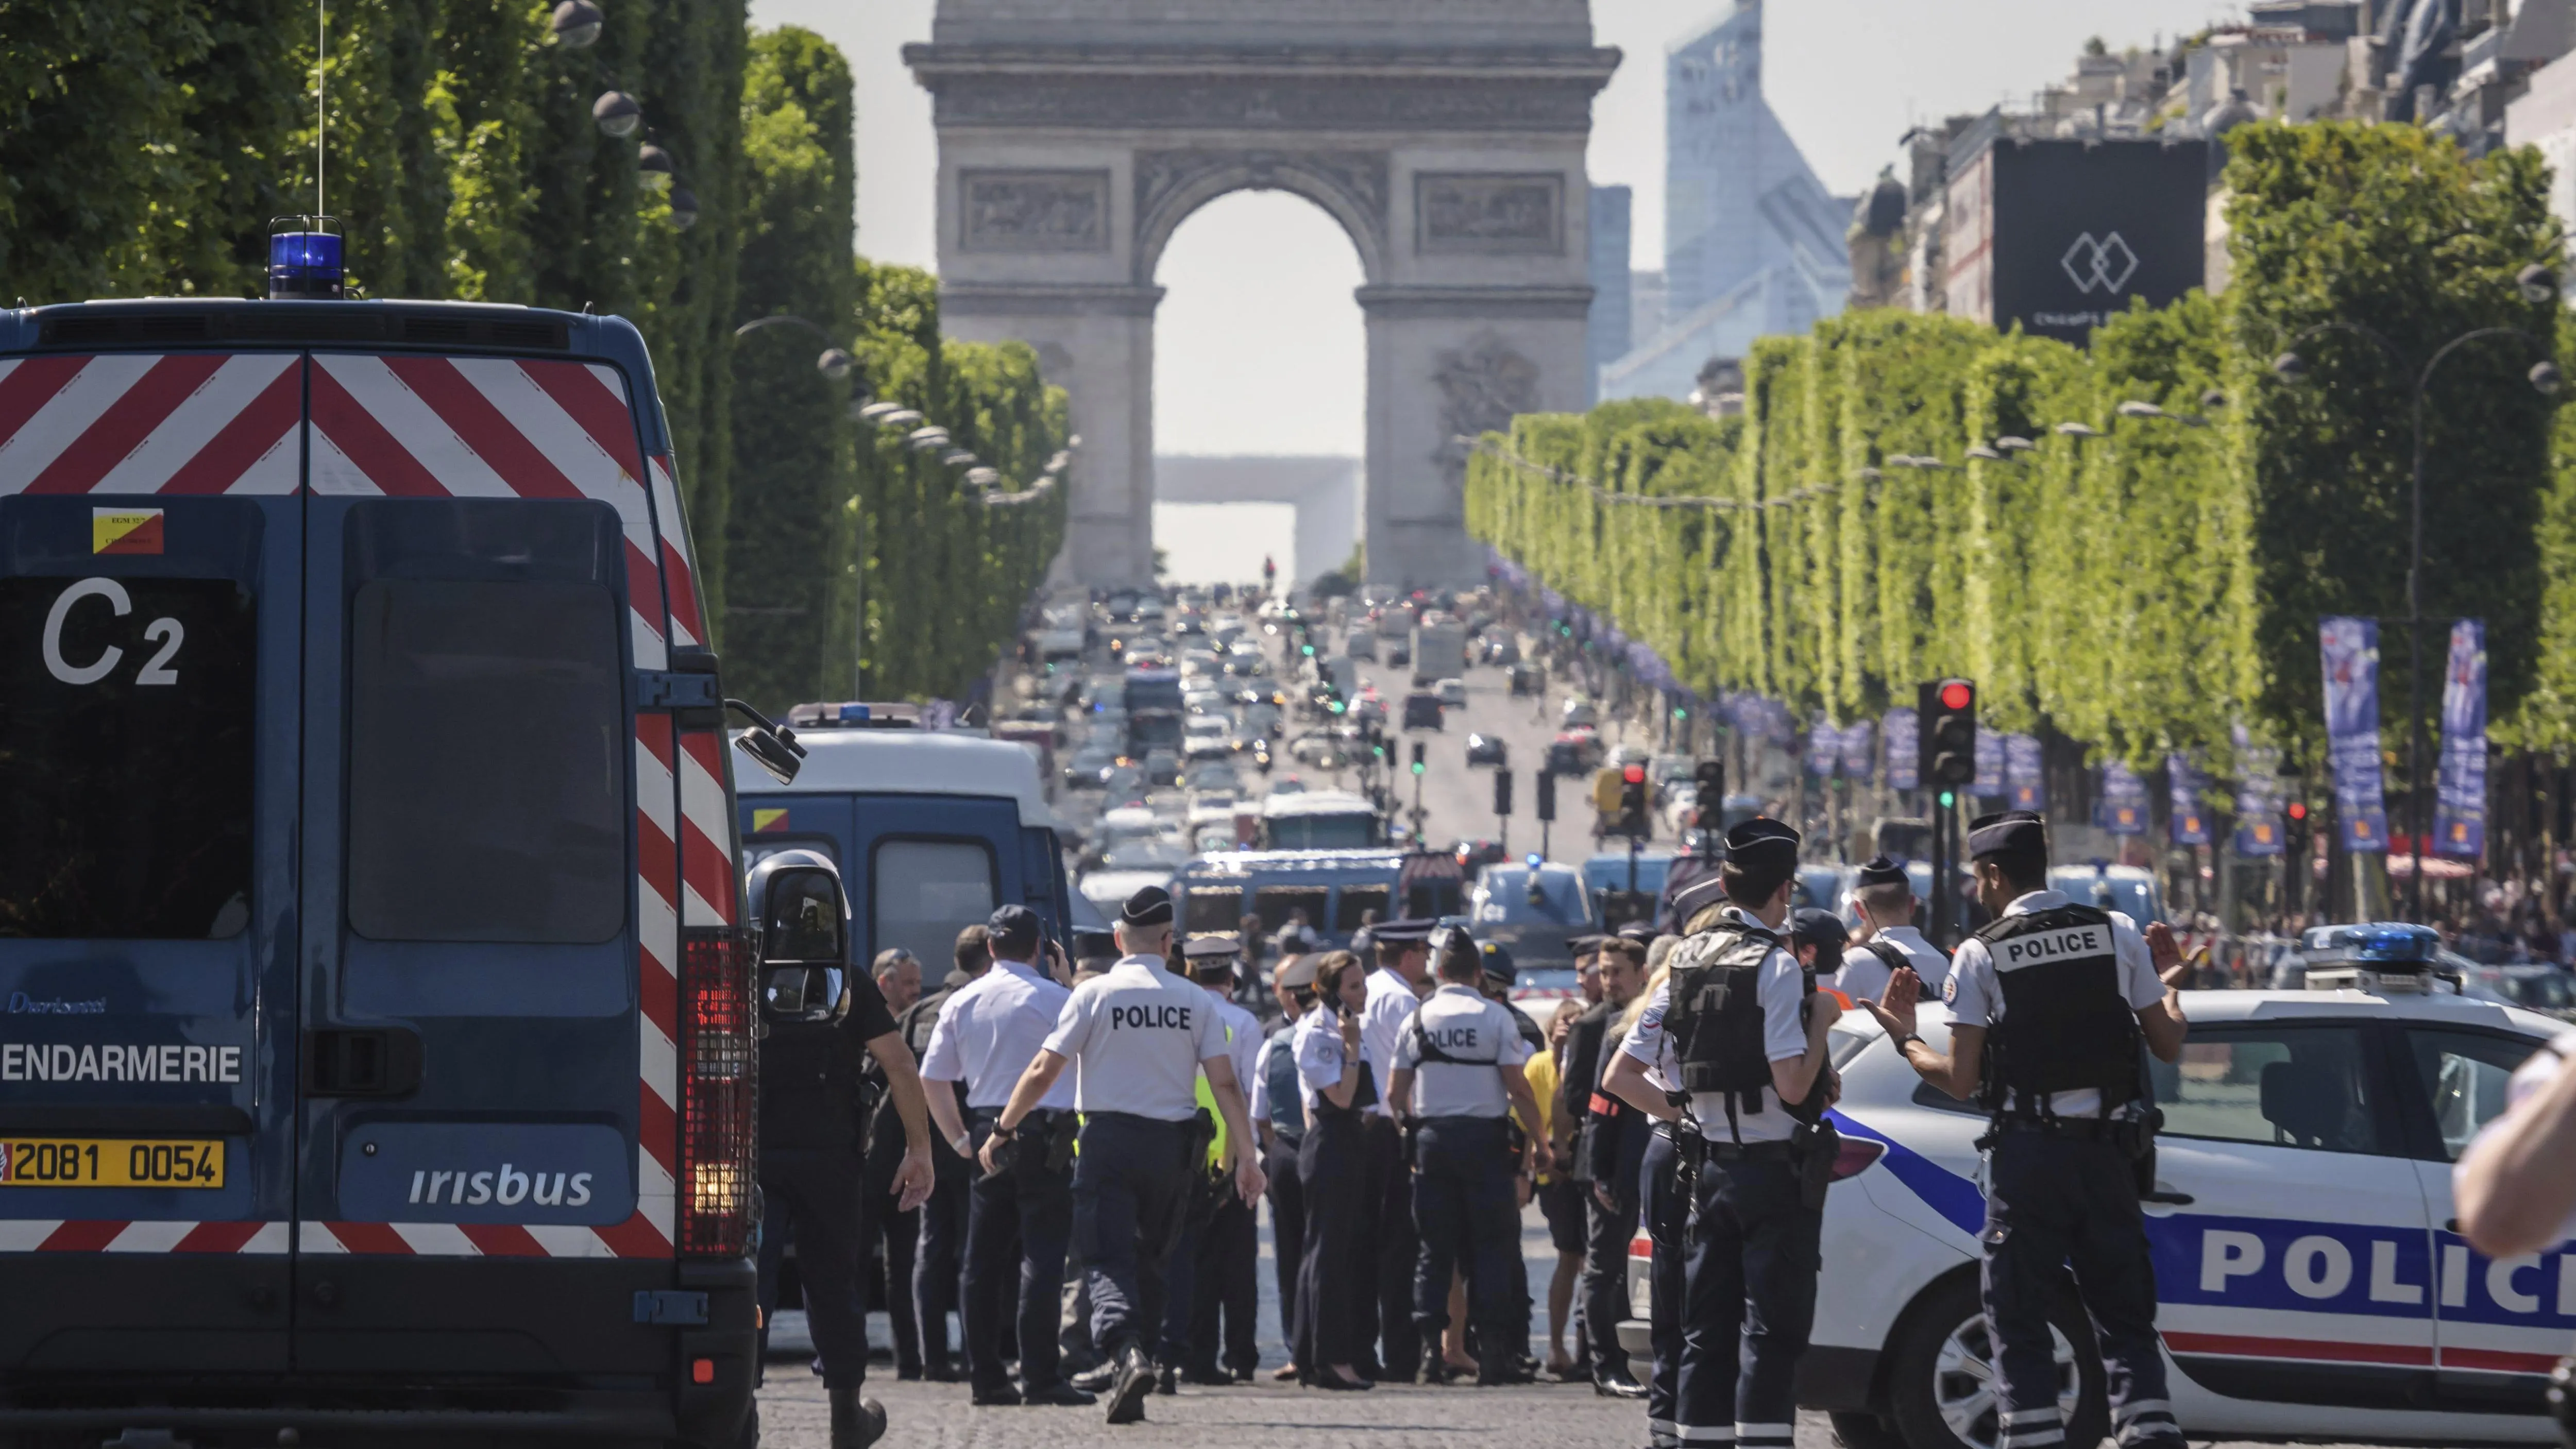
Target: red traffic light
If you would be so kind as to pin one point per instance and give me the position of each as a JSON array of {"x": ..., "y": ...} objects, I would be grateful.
[
  {"x": 1958, "y": 694},
  {"x": 1633, "y": 774},
  {"x": 2298, "y": 810}
]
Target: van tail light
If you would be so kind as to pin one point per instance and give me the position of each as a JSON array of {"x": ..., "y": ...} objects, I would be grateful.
[
  {"x": 1855, "y": 1155},
  {"x": 719, "y": 1074}
]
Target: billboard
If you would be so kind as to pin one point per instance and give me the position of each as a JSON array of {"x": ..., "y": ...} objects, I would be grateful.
[{"x": 2058, "y": 235}]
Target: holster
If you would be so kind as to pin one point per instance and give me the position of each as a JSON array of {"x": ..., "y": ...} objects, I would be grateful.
[
  {"x": 2137, "y": 1138},
  {"x": 1413, "y": 1143},
  {"x": 1813, "y": 1149},
  {"x": 1197, "y": 1135}
]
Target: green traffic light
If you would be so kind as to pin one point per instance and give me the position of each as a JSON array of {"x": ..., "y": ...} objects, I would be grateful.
[
  {"x": 1681, "y": 714},
  {"x": 1418, "y": 767},
  {"x": 1310, "y": 651},
  {"x": 1949, "y": 799}
]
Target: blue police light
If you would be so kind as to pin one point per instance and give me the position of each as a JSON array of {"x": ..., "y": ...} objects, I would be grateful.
[
  {"x": 2375, "y": 941},
  {"x": 304, "y": 265},
  {"x": 1533, "y": 860},
  {"x": 854, "y": 714}
]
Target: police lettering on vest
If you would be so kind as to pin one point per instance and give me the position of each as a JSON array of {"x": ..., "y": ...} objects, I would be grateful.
[
  {"x": 2067, "y": 1023},
  {"x": 1161, "y": 1015},
  {"x": 1453, "y": 1045},
  {"x": 1136, "y": 1034}
]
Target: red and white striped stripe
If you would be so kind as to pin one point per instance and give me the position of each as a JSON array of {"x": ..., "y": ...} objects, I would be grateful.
[
  {"x": 657, "y": 1024},
  {"x": 40, "y": 1235},
  {"x": 633, "y": 1238},
  {"x": 679, "y": 563},
  {"x": 188, "y": 422}
]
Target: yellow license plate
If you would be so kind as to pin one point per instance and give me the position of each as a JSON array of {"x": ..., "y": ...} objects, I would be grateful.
[{"x": 98, "y": 1162}]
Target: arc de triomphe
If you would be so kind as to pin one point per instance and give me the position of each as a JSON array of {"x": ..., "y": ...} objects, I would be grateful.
[{"x": 1446, "y": 136}]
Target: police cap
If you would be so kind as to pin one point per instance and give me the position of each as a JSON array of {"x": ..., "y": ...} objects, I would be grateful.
[
  {"x": 1882, "y": 871},
  {"x": 1012, "y": 928},
  {"x": 1212, "y": 955},
  {"x": 1696, "y": 897},
  {"x": 1497, "y": 964},
  {"x": 1822, "y": 929},
  {"x": 1762, "y": 839},
  {"x": 2018, "y": 831},
  {"x": 1151, "y": 906},
  {"x": 1297, "y": 973},
  {"x": 1641, "y": 932},
  {"x": 1584, "y": 945},
  {"x": 1404, "y": 932}
]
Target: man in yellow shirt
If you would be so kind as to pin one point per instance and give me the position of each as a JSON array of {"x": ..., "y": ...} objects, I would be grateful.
[{"x": 1560, "y": 1198}]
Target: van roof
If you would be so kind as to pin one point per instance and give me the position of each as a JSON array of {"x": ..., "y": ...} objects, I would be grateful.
[
  {"x": 1240, "y": 864},
  {"x": 1316, "y": 802},
  {"x": 916, "y": 762}
]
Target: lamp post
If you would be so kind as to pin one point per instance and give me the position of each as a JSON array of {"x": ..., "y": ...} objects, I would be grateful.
[{"x": 2538, "y": 285}]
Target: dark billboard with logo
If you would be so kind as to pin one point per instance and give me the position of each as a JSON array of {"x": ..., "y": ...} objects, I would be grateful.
[{"x": 2058, "y": 235}]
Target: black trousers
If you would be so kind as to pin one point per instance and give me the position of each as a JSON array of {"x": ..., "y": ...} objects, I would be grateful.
[
  {"x": 1667, "y": 1218},
  {"x": 1748, "y": 1300},
  {"x": 2056, "y": 1202},
  {"x": 938, "y": 1262},
  {"x": 821, "y": 1194},
  {"x": 1181, "y": 1272},
  {"x": 1390, "y": 1195},
  {"x": 1604, "y": 1289},
  {"x": 1465, "y": 1217},
  {"x": 1336, "y": 1294},
  {"x": 1228, "y": 1285},
  {"x": 1131, "y": 1184},
  {"x": 900, "y": 1235},
  {"x": 1017, "y": 1226},
  {"x": 1287, "y": 1231}
]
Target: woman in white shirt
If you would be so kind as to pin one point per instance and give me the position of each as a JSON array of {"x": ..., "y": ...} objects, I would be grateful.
[{"x": 1339, "y": 1080}]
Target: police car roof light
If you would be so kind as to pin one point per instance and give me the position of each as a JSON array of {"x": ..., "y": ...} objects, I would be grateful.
[{"x": 304, "y": 265}]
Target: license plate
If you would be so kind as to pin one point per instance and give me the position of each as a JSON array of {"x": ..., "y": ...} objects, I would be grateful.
[{"x": 98, "y": 1162}]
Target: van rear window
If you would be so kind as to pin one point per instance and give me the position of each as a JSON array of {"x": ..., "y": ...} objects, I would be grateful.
[
  {"x": 1214, "y": 909},
  {"x": 487, "y": 762},
  {"x": 125, "y": 757}
]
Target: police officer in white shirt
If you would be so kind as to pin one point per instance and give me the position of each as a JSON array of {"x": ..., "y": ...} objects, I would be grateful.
[
  {"x": 1888, "y": 938},
  {"x": 2049, "y": 1003},
  {"x": 1019, "y": 1219},
  {"x": 1211, "y": 1280},
  {"x": 1457, "y": 1078},
  {"x": 1737, "y": 1026},
  {"x": 1395, "y": 989},
  {"x": 1142, "y": 1036},
  {"x": 1279, "y": 1115},
  {"x": 1336, "y": 1289}
]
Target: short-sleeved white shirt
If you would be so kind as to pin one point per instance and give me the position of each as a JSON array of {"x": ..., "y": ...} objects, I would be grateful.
[
  {"x": 1782, "y": 989},
  {"x": 1242, "y": 1031},
  {"x": 989, "y": 1032},
  {"x": 1976, "y": 998},
  {"x": 1390, "y": 1004},
  {"x": 1461, "y": 1023},
  {"x": 1865, "y": 974},
  {"x": 1136, "y": 1034},
  {"x": 1318, "y": 1045}
]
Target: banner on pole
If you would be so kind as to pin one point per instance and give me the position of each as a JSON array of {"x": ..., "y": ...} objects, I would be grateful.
[
  {"x": 2190, "y": 817},
  {"x": 2258, "y": 798},
  {"x": 2460, "y": 790},
  {"x": 2124, "y": 800},
  {"x": 1990, "y": 766},
  {"x": 2350, "y": 650},
  {"x": 2025, "y": 781},
  {"x": 1824, "y": 749},
  {"x": 1898, "y": 732},
  {"x": 1858, "y": 740}
]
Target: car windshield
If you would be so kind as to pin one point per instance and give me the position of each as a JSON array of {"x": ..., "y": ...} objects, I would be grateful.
[
  {"x": 1322, "y": 832},
  {"x": 2129, "y": 895}
]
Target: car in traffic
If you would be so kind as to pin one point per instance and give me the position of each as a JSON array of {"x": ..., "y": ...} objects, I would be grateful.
[
  {"x": 1533, "y": 908},
  {"x": 1484, "y": 749},
  {"x": 2311, "y": 1280},
  {"x": 1422, "y": 710},
  {"x": 1206, "y": 737},
  {"x": 1452, "y": 693},
  {"x": 1162, "y": 768}
]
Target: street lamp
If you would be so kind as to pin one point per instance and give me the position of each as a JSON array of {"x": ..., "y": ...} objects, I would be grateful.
[
  {"x": 576, "y": 24},
  {"x": 616, "y": 113},
  {"x": 2538, "y": 284},
  {"x": 684, "y": 208}
]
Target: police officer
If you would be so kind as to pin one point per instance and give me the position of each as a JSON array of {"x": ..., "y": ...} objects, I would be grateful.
[
  {"x": 1395, "y": 991},
  {"x": 1019, "y": 1218},
  {"x": 2048, "y": 1003},
  {"x": 1607, "y": 1138},
  {"x": 938, "y": 1261},
  {"x": 1735, "y": 1024},
  {"x": 1888, "y": 938},
  {"x": 1817, "y": 936},
  {"x": 1141, "y": 1035},
  {"x": 812, "y": 1171},
  {"x": 1218, "y": 1258},
  {"x": 1279, "y": 1115},
  {"x": 1456, "y": 1078},
  {"x": 1336, "y": 1287}
]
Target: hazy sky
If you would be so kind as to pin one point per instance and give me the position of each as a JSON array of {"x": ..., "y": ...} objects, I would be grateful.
[{"x": 1259, "y": 343}]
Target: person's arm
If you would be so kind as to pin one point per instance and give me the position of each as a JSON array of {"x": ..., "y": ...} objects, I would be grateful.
[
  {"x": 951, "y": 1123},
  {"x": 1347, "y": 1085},
  {"x": 1249, "y": 1180},
  {"x": 2163, "y": 1022},
  {"x": 913, "y": 1178},
  {"x": 1794, "y": 1077},
  {"x": 1399, "y": 1095},
  {"x": 1031, "y": 1089},
  {"x": 1954, "y": 1072},
  {"x": 1516, "y": 1086},
  {"x": 2513, "y": 1187},
  {"x": 1626, "y": 1080}
]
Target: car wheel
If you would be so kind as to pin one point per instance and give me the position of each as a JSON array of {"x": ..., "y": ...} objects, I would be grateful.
[{"x": 1941, "y": 1387}]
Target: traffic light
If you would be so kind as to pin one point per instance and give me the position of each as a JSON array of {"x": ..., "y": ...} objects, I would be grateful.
[
  {"x": 1709, "y": 777},
  {"x": 1632, "y": 802},
  {"x": 1545, "y": 784},
  {"x": 1421, "y": 757},
  {"x": 1948, "y": 752},
  {"x": 1503, "y": 793},
  {"x": 2294, "y": 835}
]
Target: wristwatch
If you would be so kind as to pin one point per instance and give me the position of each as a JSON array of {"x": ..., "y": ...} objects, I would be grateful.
[
  {"x": 1005, "y": 1134},
  {"x": 1902, "y": 1041}
]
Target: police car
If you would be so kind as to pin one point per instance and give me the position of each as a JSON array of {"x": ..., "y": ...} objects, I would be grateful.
[
  {"x": 2311, "y": 1280},
  {"x": 365, "y": 842}
]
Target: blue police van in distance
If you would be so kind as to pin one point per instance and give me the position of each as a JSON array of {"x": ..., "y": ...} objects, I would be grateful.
[{"x": 376, "y": 1061}]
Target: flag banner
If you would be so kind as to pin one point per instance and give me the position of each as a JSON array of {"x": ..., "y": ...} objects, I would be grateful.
[
  {"x": 1824, "y": 749},
  {"x": 1858, "y": 742},
  {"x": 2124, "y": 800},
  {"x": 1903, "y": 768},
  {"x": 2350, "y": 649},
  {"x": 2258, "y": 797},
  {"x": 2460, "y": 790},
  {"x": 2025, "y": 782},
  {"x": 2190, "y": 816},
  {"x": 1990, "y": 766}
]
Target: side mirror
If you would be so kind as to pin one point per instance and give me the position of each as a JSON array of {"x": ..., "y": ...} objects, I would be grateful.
[
  {"x": 804, "y": 946},
  {"x": 771, "y": 745}
]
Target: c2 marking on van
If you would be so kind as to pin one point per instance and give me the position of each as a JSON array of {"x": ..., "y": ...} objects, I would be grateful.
[
  {"x": 168, "y": 633},
  {"x": 27, "y": 1061},
  {"x": 125, "y": 530}
]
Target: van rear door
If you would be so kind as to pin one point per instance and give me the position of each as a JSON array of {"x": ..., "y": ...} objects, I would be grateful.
[
  {"x": 150, "y": 544},
  {"x": 487, "y": 1074},
  {"x": 921, "y": 868}
]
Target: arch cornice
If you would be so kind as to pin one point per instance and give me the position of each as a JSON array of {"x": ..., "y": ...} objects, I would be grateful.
[{"x": 1351, "y": 185}]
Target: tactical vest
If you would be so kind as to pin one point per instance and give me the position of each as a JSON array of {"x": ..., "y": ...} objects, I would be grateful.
[
  {"x": 2065, "y": 1025},
  {"x": 1287, "y": 1104},
  {"x": 812, "y": 1085},
  {"x": 1714, "y": 1017}
]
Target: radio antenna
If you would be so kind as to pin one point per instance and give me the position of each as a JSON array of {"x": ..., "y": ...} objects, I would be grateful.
[{"x": 321, "y": 108}]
